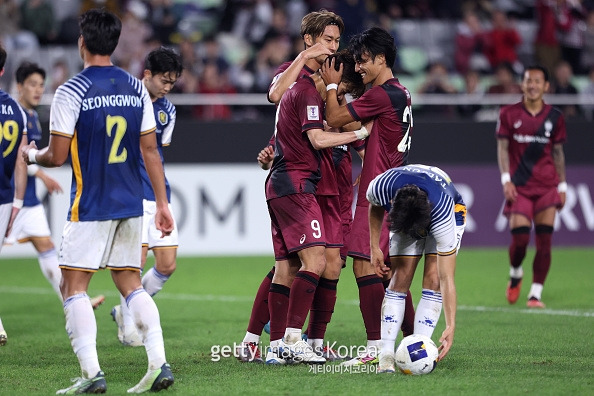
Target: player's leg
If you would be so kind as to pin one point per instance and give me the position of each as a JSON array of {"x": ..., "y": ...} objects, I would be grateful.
[
  {"x": 48, "y": 261},
  {"x": 429, "y": 307},
  {"x": 3, "y": 336},
  {"x": 543, "y": 226},
  {"x": 520, "y": 231}
]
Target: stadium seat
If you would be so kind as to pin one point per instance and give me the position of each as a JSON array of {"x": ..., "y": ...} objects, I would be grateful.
[
  {"x": 413, "y": 60},
  {"x": 409, "y": 32}
]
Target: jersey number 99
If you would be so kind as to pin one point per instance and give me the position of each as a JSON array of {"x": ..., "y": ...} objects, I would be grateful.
[{"x": 9, "y": 132}]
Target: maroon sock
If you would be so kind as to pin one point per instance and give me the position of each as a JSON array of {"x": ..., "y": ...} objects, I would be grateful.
[
  {"x": 371, "y": 295},
  {"x": 303, "y": 290},
  {"x": 278, "y": 305},
  {"x": 408, "y": 324},
  {"x": 519, "y": 243},
  {"x": 542, "y": 259},
  {"x": 260, "y": 314},
  {"x": 322, "y": 308}
]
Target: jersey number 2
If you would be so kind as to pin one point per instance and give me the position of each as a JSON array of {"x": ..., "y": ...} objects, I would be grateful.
[{"x": 120, "y": 125}]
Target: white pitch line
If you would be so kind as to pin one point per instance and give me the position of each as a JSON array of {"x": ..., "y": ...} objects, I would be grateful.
[{"x": 246, "y": 299}]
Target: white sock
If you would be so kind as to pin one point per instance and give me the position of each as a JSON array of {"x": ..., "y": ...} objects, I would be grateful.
[
  {"x": 274, "y": 344},
  {"x": 251, "y": 337},
  {"x": 516, "y": 272},
  {"x": 535, "y": 291},
  {"x": 316, "y": 343},
  {"x": 153, "y": 281},
  {"x": 82, "y": 330},
  {"x": 127, "y": 318},
  {"x": 146, "y": 316},
  {"x": 292, "y": 335},
  {"x": 373, "y": 347},
  {"x": 48, "y": 261},
  {"x": 392, "y": 316},
  {"x": 428, "y": 312},
  {"x": 1, "y": 326}
]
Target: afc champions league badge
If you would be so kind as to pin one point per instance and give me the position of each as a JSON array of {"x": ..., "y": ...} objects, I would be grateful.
[
  {"x": 548, "y": 125},
  {"x": 162, "y": 116}
]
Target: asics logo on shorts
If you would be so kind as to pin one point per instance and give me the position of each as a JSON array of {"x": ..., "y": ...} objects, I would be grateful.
[{"x": 302, "y": 238}]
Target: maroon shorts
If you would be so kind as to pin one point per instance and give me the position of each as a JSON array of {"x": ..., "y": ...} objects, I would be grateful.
[
  {"x": 530, "y": 202},
  {"x": 330, "y": 207},
  {"x": 296, "y": 223},
  {"x": 359, "y": 237}
]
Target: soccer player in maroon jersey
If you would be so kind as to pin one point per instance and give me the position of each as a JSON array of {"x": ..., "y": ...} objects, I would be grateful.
[
  {"x": 388, "y": 105},
  {"x": 321, "y": 31},
  {"x": 530, "y": 136}
]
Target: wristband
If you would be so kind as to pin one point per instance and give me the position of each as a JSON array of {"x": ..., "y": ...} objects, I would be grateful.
[
  {"x": 331, "y": 86},
  {"x": 562, "y": 187},
  {"x": 505, "y": 178},
  {"x": 32, "y": 169},
  {"x": 17, "y": 203},
  {"x": 32, "y": 154},
  {"x": 361, "y": 133}
]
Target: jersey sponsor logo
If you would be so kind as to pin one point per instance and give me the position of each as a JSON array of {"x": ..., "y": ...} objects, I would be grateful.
[
  {"x": 111, "y": 101},
  {"x": 162, "y": 116},
  {"x": 531, "y": 139},
  {"x": 518, "y": 124},
  {"x": 302, "y": 239},
  {"x": 313, "y": 113}
]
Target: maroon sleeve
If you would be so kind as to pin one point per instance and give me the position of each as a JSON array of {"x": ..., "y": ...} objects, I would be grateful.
[
  {"x": 310, "y": 108},
  {"x": 503, "y": 128},
  {"x": 370, "y": 104},
  {"x": 560, "y": 131}
]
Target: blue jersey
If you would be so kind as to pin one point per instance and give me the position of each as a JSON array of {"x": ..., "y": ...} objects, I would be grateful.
[
  {"x": 12, "y": 128},
  {"x": 104, "y": 110},
  {"x": 165, "y": 117},
  {"x": 447, "y": 207},
  {"x": 33, "y": 134}
]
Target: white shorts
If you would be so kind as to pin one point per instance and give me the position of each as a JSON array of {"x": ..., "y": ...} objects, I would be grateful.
[
  {"x": 90, "y": 245},
  {"x": 151, "y": 237},
  {"x": 405, "y": 245},
  {"x": 31, "y": 222},
  {"x": 5, "y": 212}
]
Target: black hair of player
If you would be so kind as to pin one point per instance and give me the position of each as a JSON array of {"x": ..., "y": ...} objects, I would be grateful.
[
  {"x": 26, "y": 69},
  {"x": 2, "y": 57},
  {"x": 411, "y": 212},
  {"x": 163, "y": 60},
  {"x": 350, "y": 77},
  {"x": 543, "y": 69},
  {"x": 373, "y": 42},
  {"x": 101, "y": 31}
]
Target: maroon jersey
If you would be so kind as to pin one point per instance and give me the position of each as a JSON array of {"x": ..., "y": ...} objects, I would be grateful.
[
  {"x": 531, "y": 139},
  {"x": 296, "y": 165},
  {"x": 389, "y": 105},
  {"x": 306, "y": 71}
]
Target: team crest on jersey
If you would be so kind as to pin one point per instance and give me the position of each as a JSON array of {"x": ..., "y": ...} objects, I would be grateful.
[
  {"x": 548, "y": 128},
  {"x": 313, "y": 113},
  {"x": 518, "y": 124},
  {"x": 162, "y": 117}
]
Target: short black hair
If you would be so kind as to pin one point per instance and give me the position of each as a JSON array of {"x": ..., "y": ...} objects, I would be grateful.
[
  {"x": 543, "y": 69},
  {"x": 373, "y": 42},
  {"x": 164, "y": 60},
  {"x": 349, "y": 76},
  {"x": 101, "y": 31},
  {"x": 411, "y": 212},
  {"x": 26, "y": 69},
  {"x": 2, "y": 57}
]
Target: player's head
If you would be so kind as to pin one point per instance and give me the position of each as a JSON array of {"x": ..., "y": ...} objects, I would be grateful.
[
  {"x": 30, "y": 80},
  {"x": 351, "y": 81},
  {"x": 373, "y": 47},
  {"x": 411, "y": 212},
  {"x": 322, "y": 27},
  {"x": 2, "y": 59},
  {"x": 535, "y": 82},
  {"x": 162, "y": 68},
  {"x": 100, "y": 30}
]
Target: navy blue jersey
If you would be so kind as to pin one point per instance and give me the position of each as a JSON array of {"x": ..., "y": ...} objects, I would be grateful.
[
  {"x": 104, "y": 110},
  {"x": 12, "y": 129},
  {"x": 33, "y": 134},
  {"x": 165, "y": 115}
]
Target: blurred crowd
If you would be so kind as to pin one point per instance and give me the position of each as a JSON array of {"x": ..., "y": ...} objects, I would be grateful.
[{"x": 235, "y": 46}]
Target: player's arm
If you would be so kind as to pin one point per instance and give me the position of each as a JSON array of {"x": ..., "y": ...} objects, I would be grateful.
[
  {"x": 50, "y": 183},
  {"x": 376, "y": 218},
  {"x": 20, "y": 184},
  {"x": 54, "y": 155},
  {"x": 559, "y": 159},
  {"x": 336, "y": 115},
  {"x": 446, "y": 266},
  {"x": 321, "y": 139},
  {"x": 509, "y": 189},
  {"x": 289, "y": 76},
  {"x": 154, "y": 168}
]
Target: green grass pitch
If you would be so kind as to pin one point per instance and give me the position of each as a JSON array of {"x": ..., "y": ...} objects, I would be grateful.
[{"x": 498, "y": 350}]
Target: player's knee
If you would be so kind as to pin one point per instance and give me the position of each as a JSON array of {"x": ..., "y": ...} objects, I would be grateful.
[
  {"x": 166, "y": 267},
  {"x": 521, "y": 236},
  {"x": 544, "y": 234}
]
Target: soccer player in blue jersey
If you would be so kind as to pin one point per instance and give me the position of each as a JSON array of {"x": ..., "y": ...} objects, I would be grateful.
[
  {"x": 425, "y": 213},
  {"x": 103, "y": 118},
  {"x": 13, "y": 126},
  {"x": 162, "y": 69},
  {"x": 31, "y": 223}
]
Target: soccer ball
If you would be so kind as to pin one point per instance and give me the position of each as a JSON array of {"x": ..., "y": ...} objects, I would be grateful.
[{"x": 417, "y": 354}]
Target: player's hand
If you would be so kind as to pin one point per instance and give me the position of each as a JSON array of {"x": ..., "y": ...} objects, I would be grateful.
[
  {"x": 316, "y": 50},
  {"x": 265, "y": 157},
  {"x": 329, "y": 74},
  {"x": 25, "y": 151},
  {"x": 51, "y": 184},
  {"x": 164, "y": 221},
  {"x": 377, "y": 260},
  {"x": 446, "y": 339},
  {"x": 509, "y": 192}
]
